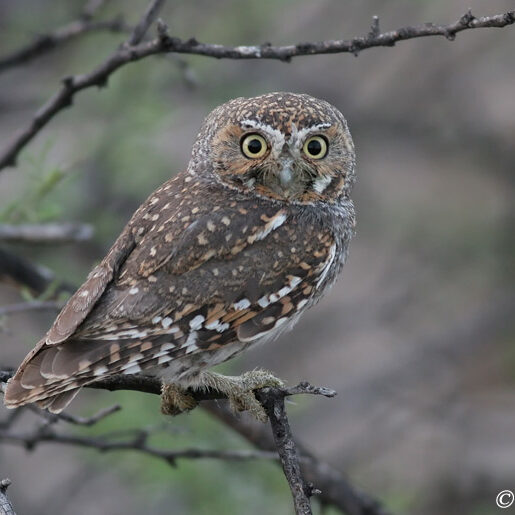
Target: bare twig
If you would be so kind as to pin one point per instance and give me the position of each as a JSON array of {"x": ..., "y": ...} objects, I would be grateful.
[
  {"x": 146, "y": 20},
  {"x": 164, "y": 43},
  {"x": 52, "y": 418},
  {"x": 47, "y": 42},
  {"x": 272, "y": 400},
  {"x": 30, "y": 440},
  {"x": 45, "y": 233},
  {"x": 6, "y": 507}
]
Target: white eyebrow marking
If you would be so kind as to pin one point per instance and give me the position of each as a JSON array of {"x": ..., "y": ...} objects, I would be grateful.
[
  {"x": 277, "y": 139},
  {"x": 298, "y": 137}
]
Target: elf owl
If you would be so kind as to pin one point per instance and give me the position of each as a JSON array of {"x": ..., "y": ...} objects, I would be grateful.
[{"x": 227, "y": 254}]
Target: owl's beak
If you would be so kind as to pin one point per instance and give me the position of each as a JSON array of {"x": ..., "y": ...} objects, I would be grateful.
[
  {"x": 286, "y": 174},
  {"x": 286, "y": 164}
]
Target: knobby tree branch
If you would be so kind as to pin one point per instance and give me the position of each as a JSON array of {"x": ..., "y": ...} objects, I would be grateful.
[
  {"x": 6, "y": 507},
  {"x": 135, "y": 50},
  {"x": 297, "y": 463}
]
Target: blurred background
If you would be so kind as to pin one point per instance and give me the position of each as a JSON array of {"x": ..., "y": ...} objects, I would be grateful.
[{"x": 417, "y": 336}]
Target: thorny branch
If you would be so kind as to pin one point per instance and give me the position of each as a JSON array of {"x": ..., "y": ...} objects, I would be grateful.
[
  {"x": 335, "y": 489},
  {"x": 6, "y": 507},
  {"x": 166, "y": 44}
]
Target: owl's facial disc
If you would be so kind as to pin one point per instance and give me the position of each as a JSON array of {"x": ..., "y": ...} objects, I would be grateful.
[
  {"x": 281, "y": 165},
  {"x": 285, "y": 146}
]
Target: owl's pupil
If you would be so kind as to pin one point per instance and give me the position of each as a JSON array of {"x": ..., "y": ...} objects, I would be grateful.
[
  {"x": 254, "y": 146},
  {"x": 314, "y": 147}
]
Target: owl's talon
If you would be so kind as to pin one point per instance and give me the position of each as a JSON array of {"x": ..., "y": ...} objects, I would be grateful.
[
  {"x": 175, "y": 400},
  {"x": 240, "y": 389}
]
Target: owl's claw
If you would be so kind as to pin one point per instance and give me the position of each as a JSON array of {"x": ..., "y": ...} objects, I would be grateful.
[
  {"x": 240, "y": 389},
  {"x": 175, "y": 400}
]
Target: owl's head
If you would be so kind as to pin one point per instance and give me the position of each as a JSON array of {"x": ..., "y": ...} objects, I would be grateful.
[{"x": 285, "y": 146}]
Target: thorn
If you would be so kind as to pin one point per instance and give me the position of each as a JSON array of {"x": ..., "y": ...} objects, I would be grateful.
[
  {"x": 162, "y": 29},
  {"x": 374, "y": 29},
  {"x": 67, "y": 81},
  {"x": 4, "y": 484},
  {"x": 467, "y": 18}
]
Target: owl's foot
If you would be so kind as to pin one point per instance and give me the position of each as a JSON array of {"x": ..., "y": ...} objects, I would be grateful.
[
  {"x": 240, "y": 389},
  {"x": 175, "y": 400}
]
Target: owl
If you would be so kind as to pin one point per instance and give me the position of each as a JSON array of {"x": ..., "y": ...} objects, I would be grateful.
[{"x": 227, "y": 254}]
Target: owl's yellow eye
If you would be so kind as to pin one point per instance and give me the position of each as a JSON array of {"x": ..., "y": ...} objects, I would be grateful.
[
  {"x": 254, "y": 146},
  {"x": 315, "y": 147}
]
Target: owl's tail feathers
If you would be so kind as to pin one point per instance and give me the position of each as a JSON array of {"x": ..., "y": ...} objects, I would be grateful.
[
  {"x": 51, "y": 376},
  {"x": 17, "y": 395},
  {"x": 57, "y": 403}
]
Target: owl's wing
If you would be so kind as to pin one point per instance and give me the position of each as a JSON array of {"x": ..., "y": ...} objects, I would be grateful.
[{"x": 84, "y": 299}]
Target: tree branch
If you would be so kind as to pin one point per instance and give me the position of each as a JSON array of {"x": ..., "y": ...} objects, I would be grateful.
[
  {"x": 37, "y": 278},
  {"x": 335, "y": 488},
  {"x": 272, "y": 400},
  {"x": 33, "y": 305},
  {"x": 6, "y": 507},
  {"x": 164, "y": 43},
  {"x": 30, "y": 440},
  {"x": 46, "y": 233}
]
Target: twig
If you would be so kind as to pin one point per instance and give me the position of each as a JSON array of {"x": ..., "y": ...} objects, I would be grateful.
[
  {"x": 146, "y": 20},
  {"x": 6, "y": 507},
  {"x": 164, "y": 43},
  {"x": 272, "y": 400},
  {"x": 52, "y": 418},
  {"x": 47, "y": 42},
  {"x": 30, "y": 440},
  {"x": 46, "y": 233}
]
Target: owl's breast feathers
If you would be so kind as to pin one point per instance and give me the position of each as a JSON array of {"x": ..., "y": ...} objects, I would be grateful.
[{"x": 195, "y": 270}]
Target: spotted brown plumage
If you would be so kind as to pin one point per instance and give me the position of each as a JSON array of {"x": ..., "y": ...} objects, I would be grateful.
[{"x": 226, "y": 254}]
